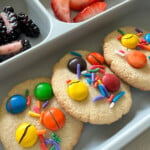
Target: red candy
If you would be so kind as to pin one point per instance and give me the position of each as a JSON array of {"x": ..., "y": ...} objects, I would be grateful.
[
  {"x": 53, "y": 119},
  {"x": 95, "y": 58},
  {"x": 111, "y": 82}
]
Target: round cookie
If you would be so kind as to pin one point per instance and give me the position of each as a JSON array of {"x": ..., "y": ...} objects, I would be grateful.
[
  {"x": 127, "y": 52},
  {"x": 19, "y": 126},
  {"x": 85, "y": 109}
]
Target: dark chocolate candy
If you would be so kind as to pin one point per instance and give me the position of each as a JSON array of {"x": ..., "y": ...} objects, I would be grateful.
[{"x": 72, "y": 64}]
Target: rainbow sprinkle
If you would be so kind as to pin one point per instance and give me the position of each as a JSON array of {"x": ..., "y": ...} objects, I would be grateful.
[
  {"x": 78, "y": 71},
  {"x": 75, "y": 54},
  {"x": 99, "y": 97},
  {"x": 116, "y": 98},
  {"x": 121, "y": 32}
]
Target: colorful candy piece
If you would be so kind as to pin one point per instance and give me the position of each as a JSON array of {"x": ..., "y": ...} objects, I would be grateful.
[
  {"x": 136, "y": 59},
  {"x": 111, "y": 82},
  {"x": 72, "y": 64},
  {"x": 53, "y": 119},
  {"x": 147, "y": 37},
  {"x": 26, "y": 135},
  {"x": 16, "y": 104},
  {"x": 95, "y": 58},
  {"x": 130, "y": 40},
  {"x": 77, "y": 90},
  {"x": 43, "y": 91}
]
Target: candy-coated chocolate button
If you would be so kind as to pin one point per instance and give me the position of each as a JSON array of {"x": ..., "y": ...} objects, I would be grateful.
[
  {"x": 147, "y": 37},
  {"x": 53, "y": 119},
  {"x": 111, "y": 82},
  {"x": 136, "y": 59},
  {"x": 95, "y": 58},
  {"x": 72, "y": 64},
  {"x": 16, "y": 104},
  {"x": 77, "y": 90},
  {"x": 43, "y": 91},
  {"x": 130, "y": 40},
  {"x": 26, "y": 134}
]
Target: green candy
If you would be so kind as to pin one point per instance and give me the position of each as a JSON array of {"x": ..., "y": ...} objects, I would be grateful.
[{"x": 43, "y": 91}]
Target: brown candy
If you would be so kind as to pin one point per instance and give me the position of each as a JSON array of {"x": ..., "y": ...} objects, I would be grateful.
[{"x": 72, "y": 64}]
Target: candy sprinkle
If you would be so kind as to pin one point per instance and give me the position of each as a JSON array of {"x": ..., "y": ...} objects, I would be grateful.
[
  {"x": 88, "y": 81},
  {"x": 106, "y": 91},
  {"x": 33, "y": 114},
  {"x": 100, "y": 87},
  {"x": 98, "y": 98},
  {"x": 36, "y": 109},
  {"x": 97, "y": 66},
  {"x": 26, "y": 92},
  {"x": 41, "y": 132},
  {"x": 94, "y": 70},
  {"x": 93, "y": 77},
  {"x": 83, "y": 72},
  {"x": 42, "y": 143},
  {"x": 28, "y": 100},
  {"x": 144, "y": 47},
  {"x": 75, "y": 54},
  {"x": 120, "y": 52},
  {"x": 78, "y": 71},
  {"x": 38, "y": 103},
  {"x": 87, "y": 74},
  {"x": 110, "y": 98},
  {"x": 116, "y": 98},
  {"x": 96, "y": 84},
  {"x": 139, "y": 34},
  {"x": 55, "y": 146},
  {"x": 121, "y": 32},
  {"x": 138, "y": 30},
  {"x": 119, "y": 37},
  {"x": 56, "y": 138},
  {"x": 45, "y": 104}
]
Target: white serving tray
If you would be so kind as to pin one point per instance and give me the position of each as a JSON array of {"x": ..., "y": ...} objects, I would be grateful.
[{"x": 57, "y": 38}]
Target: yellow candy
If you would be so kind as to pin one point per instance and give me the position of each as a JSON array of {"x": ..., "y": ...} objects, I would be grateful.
[
  {"x": 77, "y": 90},
  {"x": 26, "y": 134},
  {"x": 130, "y": 40}
]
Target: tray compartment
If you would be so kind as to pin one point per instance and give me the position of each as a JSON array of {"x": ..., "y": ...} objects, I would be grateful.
[
  {"x": 37, "y": 13},
  {"x": 41, "y": 60}
]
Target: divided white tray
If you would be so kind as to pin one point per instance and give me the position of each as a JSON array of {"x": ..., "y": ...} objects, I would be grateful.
[{"x": 58, "y": 38}]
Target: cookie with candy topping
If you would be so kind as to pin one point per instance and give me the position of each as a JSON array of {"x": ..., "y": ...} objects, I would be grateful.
[
  {"x": 94, "y": 95},
  {"x": 127, "y": 51},
  {"x": 21, "y": 131}
]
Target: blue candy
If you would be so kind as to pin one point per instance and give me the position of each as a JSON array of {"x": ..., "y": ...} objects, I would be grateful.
[
  {"x": 16, "y": 104},
  {"x": 147, "y": 37}
]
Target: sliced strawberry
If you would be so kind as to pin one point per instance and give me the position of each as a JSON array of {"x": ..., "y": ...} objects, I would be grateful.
[
  {"x": 80, "y": 4},
  {"x": 90, "y": 11},
  {"x": 61, "y": 9}
]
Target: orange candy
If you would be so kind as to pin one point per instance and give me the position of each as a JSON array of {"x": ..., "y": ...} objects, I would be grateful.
[
  {"x": 136, "y": 59},
  {"x": 53, "y": 119},
  {"x": 95, "y": 58}
]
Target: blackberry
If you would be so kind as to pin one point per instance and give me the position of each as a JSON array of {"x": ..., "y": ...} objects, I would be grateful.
[
  {"x": 26, "y": 45},
  {"x": 9, "y": 27},
  {"x": 8, "y": 9},
  {"x": 28, "y": 26}
]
